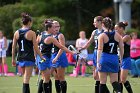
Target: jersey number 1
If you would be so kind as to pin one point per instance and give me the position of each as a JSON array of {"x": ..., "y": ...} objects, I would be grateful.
[{"x": 22, "y": 45}]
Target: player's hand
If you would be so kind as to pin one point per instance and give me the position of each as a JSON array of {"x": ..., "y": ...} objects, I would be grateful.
[
  {"x": 13, "y": 63},
  {"x": 98, "y": 66},
  {"x": 54, "y": 60}
]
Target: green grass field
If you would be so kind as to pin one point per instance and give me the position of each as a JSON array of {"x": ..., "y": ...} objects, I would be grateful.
[{"x": 75, "y": 85}]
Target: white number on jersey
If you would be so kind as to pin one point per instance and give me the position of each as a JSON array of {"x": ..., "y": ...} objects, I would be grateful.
[
  {"x": 112, "y": 46},
  {"x": 22, "y": 45}
]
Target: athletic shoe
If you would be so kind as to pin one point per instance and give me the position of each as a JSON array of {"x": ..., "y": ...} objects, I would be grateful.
[
  {"x": 5, "y": 75},
  {"x": 73, "y": 75}
]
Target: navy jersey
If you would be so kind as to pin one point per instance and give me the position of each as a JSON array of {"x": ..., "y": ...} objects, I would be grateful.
[
  {"x": 111, "y": 46},
  {"x": 96, "y": 34},
  {"x": 45, "y": 48},
  {"x": 25, "y": 51},
  {"x": 55, "y": 48},
  {"x": 126, "y": 50}
]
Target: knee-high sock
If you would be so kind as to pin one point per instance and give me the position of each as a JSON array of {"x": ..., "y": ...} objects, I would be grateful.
[
  {"x": 102, "y": 88},
  {"x": 57, "y": 86},
  {"x": 50, "y": 85},
  {"x": 0, "y": 68},
  {"x": 128, "y": 87},
  {"x": 5, "y": 68},
  {"x": 63, "y": 86},
  {"x": 97, "y": 86},
  {"x": 121, "y": 85},
  {"x": 77, "y": 70},
  {"x": 46, "y": 88},
  {"x": 106, "y": 88},
  {"x": 116, "y": 87},
  {"x": 83, "y": 70},
  {"x": 40, "y": 86},
  {"x": 26, "y": 88}
]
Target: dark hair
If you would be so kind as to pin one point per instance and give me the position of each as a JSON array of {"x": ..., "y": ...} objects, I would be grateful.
[
  {"x": 26, "y": 18},
  {"x": 122, "y": 24},
  {"x": 107, "y": 23},
  {"x": 48, "y": 23},
  {"x": 99, "y": 18}
]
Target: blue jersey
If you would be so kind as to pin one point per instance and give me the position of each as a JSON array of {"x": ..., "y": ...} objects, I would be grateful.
[
  {"x": 26, "y": 50},
  {"x": 96, "y": 34},
  {"x": 111, "y": 46},
  {"x": 55, "y": 49},
  {"x": 45, "y": 48},
  {"x": 126, "y": 50}
]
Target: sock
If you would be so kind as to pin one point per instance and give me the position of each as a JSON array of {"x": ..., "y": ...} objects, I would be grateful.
[
  {"x": 57, "y": 86},
  {"x": 128, "y": 87},
  {"x": 26, "y": 88},
  {"x": 50, "y": 85},
  {"x": 97, "y": 86},
  {"x": 107, "y": 90},
  {"x": 83, "y": 70},
  {"x": 46, "y": 88},
  {"x": 63, "y": 86},
  {"x": 121, "y": 85},
  {"x": 77, "y": 70},
  {"x": 0, "y": 68},
  {"x": 102, "y": 88},
  {"x": 40, "y": 86},
  {"x": 5, "y": 68},
  {"x": 116, "y": 87}
]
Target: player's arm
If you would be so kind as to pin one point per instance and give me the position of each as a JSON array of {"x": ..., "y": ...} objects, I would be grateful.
[
  {"x": 5, "y": 44},
  {"x": 126, "y": 38},
  {"x": 121, "y": 47},
  {"x": 61, "y": 40},
  {"x": 36, "y": 45},
  {"x": 55, "y": 42},
  {"x": 100, "y": 47},
  {"x": 15, "y": 38},
  {"x": 89, "y": 41}
]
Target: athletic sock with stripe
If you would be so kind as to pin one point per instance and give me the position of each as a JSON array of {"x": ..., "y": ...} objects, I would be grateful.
[
  {"x": 63, "y": 86},
  {"x": 57, "y": 86},
  {"x": 40, "y": 86},
  {"x": 46, "y": 88},
  {"x": 128, "y": 87},
  {"x": 97, "y": 86}
]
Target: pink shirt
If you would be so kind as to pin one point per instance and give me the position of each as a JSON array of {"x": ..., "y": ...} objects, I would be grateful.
[{"x": 135, "y": 52}]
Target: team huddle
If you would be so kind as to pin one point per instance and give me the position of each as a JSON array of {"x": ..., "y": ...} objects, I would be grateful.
[{"x": 47, "y": 51}]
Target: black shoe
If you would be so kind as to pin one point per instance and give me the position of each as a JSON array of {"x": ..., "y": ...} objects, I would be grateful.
[{"x": 134, "y": 76}]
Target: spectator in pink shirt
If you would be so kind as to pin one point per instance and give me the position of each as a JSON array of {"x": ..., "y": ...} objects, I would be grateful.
[{"x": 135, "y": 55}]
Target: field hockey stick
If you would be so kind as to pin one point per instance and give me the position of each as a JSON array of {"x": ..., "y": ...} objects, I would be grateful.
[
  {"x": 38, "y": 78},
  {"x": 78, "y": 55},
  {"x": 75, "y": 50}
]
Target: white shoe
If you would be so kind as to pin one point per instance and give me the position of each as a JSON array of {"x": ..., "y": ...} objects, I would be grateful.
[{"x": 5, "y": 75}]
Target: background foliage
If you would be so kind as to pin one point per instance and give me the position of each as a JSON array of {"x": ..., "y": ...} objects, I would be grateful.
[{"x": 76, "y": 14}]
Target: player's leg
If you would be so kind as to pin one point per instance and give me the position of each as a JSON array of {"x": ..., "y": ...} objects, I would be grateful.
[
  {"x": 57, "y": 81},
  {"x": 114, "y": 82},
  {"x": 83, "y": 67},
  {"x": 124, "y": 74},
  {"x": 26, "y": 78},
  {"x": 1, "y": 67},
  {"x": 46, "y": 77},
  {"x": 61, "y": 76},
  {"x": 5, "y": 66},
  {"x": 103, "y": 79}
]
